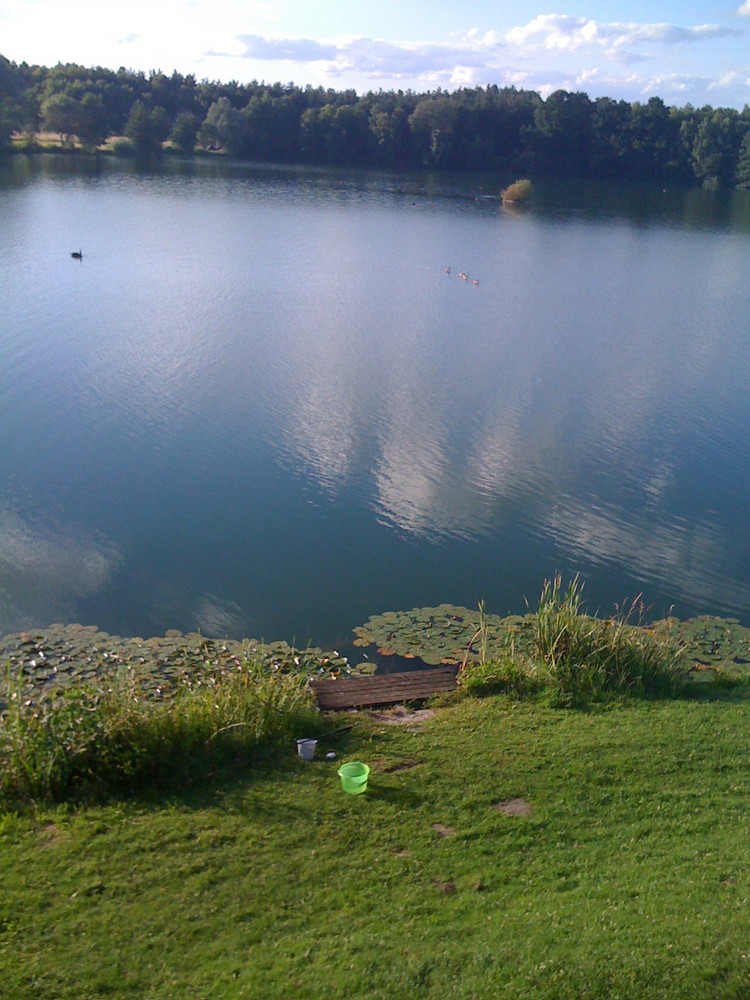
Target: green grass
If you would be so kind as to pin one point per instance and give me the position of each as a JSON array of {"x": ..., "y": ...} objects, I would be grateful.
[
  {"x": 586, "y": 658},
  {"x": 576, "y": 658},
  {"x": 629, "y": 880},
  {"x": 100, "y": 735}
]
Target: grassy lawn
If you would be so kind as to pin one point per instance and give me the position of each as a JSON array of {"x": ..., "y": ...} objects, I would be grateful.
[{"x": 629, "y": 879}]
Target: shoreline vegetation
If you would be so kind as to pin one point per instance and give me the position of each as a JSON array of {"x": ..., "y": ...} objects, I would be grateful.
[
  {"x": 571, "y": 824},
  {"x": 70, "y": 108},
  {"x": 85, "y": 713},
  {"x": 517, "y": 193}
]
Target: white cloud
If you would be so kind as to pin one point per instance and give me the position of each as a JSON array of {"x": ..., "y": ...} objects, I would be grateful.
[
  {"x": 566, "y": 33},
  {"x": 550, "y": 52},
  {"x": 744, "y": 10},
  {"x": 376, "y": 57},
  {"x": 292, "y": 49},
  {"x": 724, "y": 81},
  {"x": 667, "y": 83},
  {"x": 479, "y": 57}
]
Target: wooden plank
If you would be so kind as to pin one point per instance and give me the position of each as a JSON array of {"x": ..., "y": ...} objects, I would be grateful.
[{"x": 382, "y": 689}]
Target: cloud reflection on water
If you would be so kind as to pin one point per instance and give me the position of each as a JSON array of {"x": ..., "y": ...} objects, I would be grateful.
[
  {"x": 43, "y": 571},
  {"x": 542, "y": 404},
  {"x": 262, "y": 389}
]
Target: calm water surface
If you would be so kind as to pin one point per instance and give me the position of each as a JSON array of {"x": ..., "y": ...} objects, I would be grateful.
[{"x": 259, "y": 406}]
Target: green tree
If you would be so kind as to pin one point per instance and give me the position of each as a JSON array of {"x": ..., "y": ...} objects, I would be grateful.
[
  {"x": 92, "y": 121},
  {"x": 273, "y": 126},
  {"x": 742, "y": 173},
  {"x": 177, "y": 94},
  {"x": 716, "y": 148},
  {"x": 432, "y": 124},
  {"x": 185, "y": 131},
  {"x": 562, "y": 137},
  {"x": 390, "y": 130},
  {"x": 350, "y": 139},
  {"x": 146, "y": 127},
  {"x": 225, "y": 127},
  {"x": 488, "y": 127},
  {"x": 315, "y": 125},
  {"x": 610, "y": 150},
  {"x": 654, "y": 140},
  {"x": 11, "y": 120},
  {"x": 61, "y": 114}
]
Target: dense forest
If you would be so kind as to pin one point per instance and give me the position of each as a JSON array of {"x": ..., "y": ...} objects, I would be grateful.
[{"x": 479, "y": 128}]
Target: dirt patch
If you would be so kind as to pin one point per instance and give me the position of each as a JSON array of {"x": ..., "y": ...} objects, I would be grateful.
[
  {"x": 443, "y": 831},
  {"x": 393, "y": 767},
  {"x": 514, "y": 807},
  {"x": 400, "y": 716},
  {"x": 51, "y": 834}
]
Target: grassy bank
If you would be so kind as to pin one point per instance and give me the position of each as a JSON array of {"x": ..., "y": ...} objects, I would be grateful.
[
  {"x": 556, "y": 838},
  {"x": 110, "y": 721},
  {"x": 629, "y": 878}
]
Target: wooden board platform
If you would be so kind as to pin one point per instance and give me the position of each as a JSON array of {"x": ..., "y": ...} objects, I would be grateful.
[{"x": 382, "y": 689}]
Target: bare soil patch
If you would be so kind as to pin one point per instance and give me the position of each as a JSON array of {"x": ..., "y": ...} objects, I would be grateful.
[
  {"x": 443, "y": 831},
  {"x": 514, "y": 807},
  {"x": 402, "y": 716}
]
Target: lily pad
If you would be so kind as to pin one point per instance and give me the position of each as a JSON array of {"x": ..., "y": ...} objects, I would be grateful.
[
  {"x": 453, "y": 635},
  {"x": 42, "y": 661}
]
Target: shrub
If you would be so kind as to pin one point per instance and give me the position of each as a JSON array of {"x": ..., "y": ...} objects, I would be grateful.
[
  {"x": 518, "y": 191},
  {"x": 123, "y": 147}
]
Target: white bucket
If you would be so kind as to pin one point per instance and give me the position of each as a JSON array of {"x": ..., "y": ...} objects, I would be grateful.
[{"x": 306, "y": 748}]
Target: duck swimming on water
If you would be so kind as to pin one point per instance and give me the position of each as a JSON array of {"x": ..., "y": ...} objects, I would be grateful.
[{"x": 78, "y": 254}]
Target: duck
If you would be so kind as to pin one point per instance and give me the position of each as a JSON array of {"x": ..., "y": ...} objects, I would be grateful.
[{"x": 77, "y": 254}]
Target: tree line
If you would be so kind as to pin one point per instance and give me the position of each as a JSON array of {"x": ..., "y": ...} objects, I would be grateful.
[{"x": 473, "y": 128}]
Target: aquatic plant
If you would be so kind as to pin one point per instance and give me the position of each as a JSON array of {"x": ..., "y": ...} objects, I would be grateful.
[
  {"x": 518, "y": 192},
  {"x": 107, "y": 733},
  {"x": 447, "y": 633},
  {"x": 42, "y": 661},
  {"x": 704, "y": 646}
]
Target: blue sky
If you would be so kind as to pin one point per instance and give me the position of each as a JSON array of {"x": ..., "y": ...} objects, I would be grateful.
[{"x": 694, "y": 51}]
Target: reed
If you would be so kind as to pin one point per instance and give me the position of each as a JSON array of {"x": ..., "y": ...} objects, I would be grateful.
[
  {"x": 575, "y": 657},
  {"x": 587, "y": 657}
]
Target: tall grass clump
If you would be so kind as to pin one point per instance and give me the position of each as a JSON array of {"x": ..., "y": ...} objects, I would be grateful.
[
  {"x": 97, "y": 737},
  {"x": 518, "y": 192},
  {"x": 588, "y": 658},
  {"x": 571, "y": 657}
]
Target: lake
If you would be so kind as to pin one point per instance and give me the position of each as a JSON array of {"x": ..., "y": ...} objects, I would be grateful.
[{"x": 259, "y": 406}]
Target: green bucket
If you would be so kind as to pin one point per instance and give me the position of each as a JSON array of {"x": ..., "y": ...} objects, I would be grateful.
[{"x": 354, "y": 777}]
